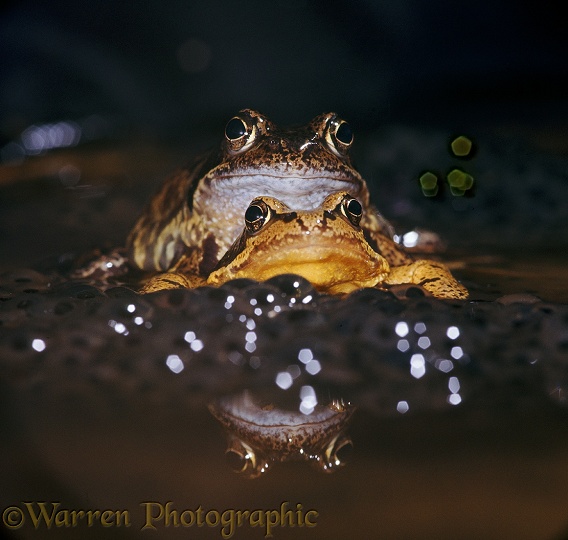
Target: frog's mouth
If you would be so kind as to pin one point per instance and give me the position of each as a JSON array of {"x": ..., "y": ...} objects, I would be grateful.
[{"x": 329, "y": 266}]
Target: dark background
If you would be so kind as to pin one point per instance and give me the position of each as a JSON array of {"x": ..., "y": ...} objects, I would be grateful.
[
  {"x": 168, "y": 67},
  {"x": 407, "y": 74},
  {"x": 146, "y": 85}
]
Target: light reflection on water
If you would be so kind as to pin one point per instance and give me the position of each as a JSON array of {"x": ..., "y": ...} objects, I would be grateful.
[{"x": 429, "y": 354}]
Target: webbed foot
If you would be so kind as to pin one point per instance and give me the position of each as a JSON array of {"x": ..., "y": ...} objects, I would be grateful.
[
  {"x": 171, "y": 280},
  {"x": 433, "y": 276}
]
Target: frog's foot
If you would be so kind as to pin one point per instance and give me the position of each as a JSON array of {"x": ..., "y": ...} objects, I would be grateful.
[
  {"x": 101, "y": 266},
  {"x": 432, "y": 276},
  {"x": 171, "y": 280}
]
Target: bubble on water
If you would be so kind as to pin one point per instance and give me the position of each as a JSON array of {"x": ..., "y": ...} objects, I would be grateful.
[
  {"x": 402, "y": 407},
  {"x": 284, "y": 380},
  {"x": 174, "y": 362},
  {"x": 38, "y": 345},
  {"x": 417, "y": 366}
]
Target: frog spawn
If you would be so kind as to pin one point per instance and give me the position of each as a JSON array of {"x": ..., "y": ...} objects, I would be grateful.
[{"x": 189, "y": 348}]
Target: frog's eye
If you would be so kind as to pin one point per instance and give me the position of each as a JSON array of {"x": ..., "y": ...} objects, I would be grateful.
[
  {"x": 240, "y": 134},
  {"x": 344, "y": 133},
  {"x": 235, "y": 129},
  {"x": 242, "y": 459},
  {"x": 336, "y": 455},
  {"x": 237, "y": 460},
  {"x": 339, "y": 136},
  {"x": 341, "y": 452},
  {"x": 256, "y": 216},
  {"x": 351, "y": 208}
]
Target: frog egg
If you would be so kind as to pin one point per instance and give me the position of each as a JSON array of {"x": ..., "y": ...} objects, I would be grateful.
[
  {"x": 121, "y": 292},
  {"x": 265, "y": 299},
  {"x": 174, "y": 298},
  {"x": 24, "y": 280},
  {"x": 296, "y": 289},
  {"x": 77, "y": 289},
  {"x": 238, "y": 284}
]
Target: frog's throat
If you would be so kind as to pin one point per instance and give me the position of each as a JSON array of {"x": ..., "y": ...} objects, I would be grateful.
[
  {"x": 300, "y": 192},
  {"x": 279, "y": 433},
  {"x": 330, "y": 268},
  {"x": 243, "y": 410}
]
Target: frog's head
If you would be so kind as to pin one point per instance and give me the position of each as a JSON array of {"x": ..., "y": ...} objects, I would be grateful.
[
  {"x": 298, "y": 166},
  {"x": 326, "y": 246},
  {"x": 293, "y": 164},
  {"x": 201, "y": 206},
  {"x": 262, "y": 434}
]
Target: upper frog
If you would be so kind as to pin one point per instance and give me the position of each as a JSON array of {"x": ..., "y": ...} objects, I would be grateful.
[
  {"x": 262, "y": 434},
  {"x": 198, "y": 211}
]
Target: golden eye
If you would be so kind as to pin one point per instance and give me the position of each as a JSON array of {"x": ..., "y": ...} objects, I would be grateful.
[
  {"x": 342, "y": 452},
  {"x": 351, "y": 208},
  {"x": 240, "y": 133},
  {"x": 256, "y": 216},
  {"x": 237, "y": 461},
  {"x": 344, "y": 133},
  {"x": 337, "y": 454},
  {"x": 235, "y": 129},
  {"x": 243, "y": 460},
  {"x": 339, "y": 136}
]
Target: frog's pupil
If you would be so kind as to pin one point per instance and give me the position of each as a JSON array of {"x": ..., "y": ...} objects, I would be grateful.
[
  {"x": 354, "y": 207},
  {"x": 344, "y": 133},
  {"x": 236, "y": 461},
  {"x": 253, "y": 213},
  {"x": 235, "y": 129}
]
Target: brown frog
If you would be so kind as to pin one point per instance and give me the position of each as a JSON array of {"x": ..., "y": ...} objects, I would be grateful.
[
  {"x": 327, "y": 246},
  {"x": 261, "y": 435},
  {"x": 197, "y": 213}
]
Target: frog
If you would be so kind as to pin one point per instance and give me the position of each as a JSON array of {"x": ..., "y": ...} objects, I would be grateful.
[
  {"x": 196, "y": 215},
  {"x": 328, "y": 246},
  {"x": 261, "y": 434}
]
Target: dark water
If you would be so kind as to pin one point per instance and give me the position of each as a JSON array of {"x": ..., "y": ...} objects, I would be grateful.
[{"x": 460, "y": 428}]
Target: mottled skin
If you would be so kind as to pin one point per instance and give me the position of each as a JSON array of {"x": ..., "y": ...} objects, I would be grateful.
[
  {"x": 260, "y": 436},
  {"x": 322, "y": 245},
  {"x": 196, "y": 216},
  {"x": 327, "y": 246},
  {"x": 198, "y": 211}
]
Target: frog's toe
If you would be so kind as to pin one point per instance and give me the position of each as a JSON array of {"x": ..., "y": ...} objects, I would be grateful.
[
  {"x": 433, "y": 276},
  {"x": 169, "y": 280}
]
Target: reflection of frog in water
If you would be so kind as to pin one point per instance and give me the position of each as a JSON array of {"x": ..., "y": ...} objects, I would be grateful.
[
  {"x": 190, "y": 227},
  {"x": 260, "y": 436},
  {"x": 326, "y": 245}
]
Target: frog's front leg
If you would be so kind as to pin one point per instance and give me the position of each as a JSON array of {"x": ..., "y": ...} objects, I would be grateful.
[
  {"x": 431, "y": 275},
  {"x": 171, "y": 280},
  {"x": 101, "y": 265}
]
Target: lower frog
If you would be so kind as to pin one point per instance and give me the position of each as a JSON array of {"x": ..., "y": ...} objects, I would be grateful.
[{"x": 326, "y": 245}]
